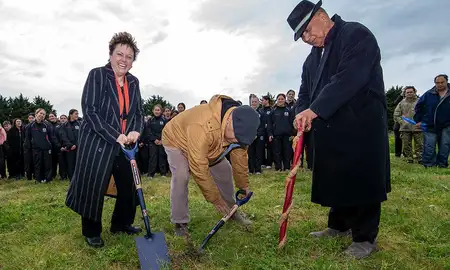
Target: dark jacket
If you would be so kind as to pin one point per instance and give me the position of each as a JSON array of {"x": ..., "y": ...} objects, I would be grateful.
[
  {"x": 97, "y": 146},
  {"x": 69, "y": 132},
  {"x": 433, "y": 111},
  {"x": 153, "y": 129},
  {"x": 40, "y": 136},
  {"x": 15, "y": 140},
  {"x": 345, "y": 88},
  {"x": 262, "y": 122},
  {"x": 279, "y": 122}
]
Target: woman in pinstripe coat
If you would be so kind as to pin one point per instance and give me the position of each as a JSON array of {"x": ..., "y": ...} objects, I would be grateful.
[{"x": 112, "y": 112}]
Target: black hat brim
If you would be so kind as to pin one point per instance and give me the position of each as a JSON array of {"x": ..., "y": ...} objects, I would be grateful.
[{"x": 302, "y": 29}]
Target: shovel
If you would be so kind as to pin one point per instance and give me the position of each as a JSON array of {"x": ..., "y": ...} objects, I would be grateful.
[
  {"x": 152, "y": 248},
  {"x": 239, "y": 202}
]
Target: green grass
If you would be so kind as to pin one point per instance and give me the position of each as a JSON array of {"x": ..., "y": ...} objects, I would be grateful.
[{"x": 37, "y": 231}]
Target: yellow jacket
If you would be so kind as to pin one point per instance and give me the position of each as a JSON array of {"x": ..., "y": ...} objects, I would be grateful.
[{"x": 199, "y": 134}]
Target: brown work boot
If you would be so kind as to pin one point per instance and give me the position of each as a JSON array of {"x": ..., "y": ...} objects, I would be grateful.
[
  {"x": 328, "y": 232},
  {"x": 360, "y": 250},
  {"x": 241, "y": 219},
  {"x": 181, "y": 229}
]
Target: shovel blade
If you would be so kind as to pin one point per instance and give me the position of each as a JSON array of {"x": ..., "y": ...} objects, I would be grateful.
[{"x": 153, "y": 252}]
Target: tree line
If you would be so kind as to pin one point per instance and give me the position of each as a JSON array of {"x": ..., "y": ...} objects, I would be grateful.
[{"x": 20, "y": 106}]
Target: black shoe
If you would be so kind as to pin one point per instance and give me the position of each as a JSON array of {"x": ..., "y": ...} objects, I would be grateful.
[
  {"x": 96, "y": 242},
  {"x": 130, "y": 230}
]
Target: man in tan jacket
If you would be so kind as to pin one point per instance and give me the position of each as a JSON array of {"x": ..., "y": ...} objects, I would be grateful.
[
  {"x": 408, "y": 132},
  {"x": 197, "y": 142}
]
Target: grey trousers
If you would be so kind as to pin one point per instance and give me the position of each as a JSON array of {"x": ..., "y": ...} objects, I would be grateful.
[{"x": 179, "y": 166}]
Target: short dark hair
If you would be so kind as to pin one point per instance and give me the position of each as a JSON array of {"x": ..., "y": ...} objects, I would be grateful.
[
  {"x": 410, "y": 87},
  {"x": 290, "y": 91},
  {"x": 281, "y": 94},
  {"x": 182, "y": 104},
  {"x": 441, "y": 75},
  {"x": 72, "y": 111},
  {"x": 123, "y": 38}
]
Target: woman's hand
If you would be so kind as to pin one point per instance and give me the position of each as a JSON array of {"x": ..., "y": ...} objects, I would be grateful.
[
  {"x": 122, "y": 140},
  {"x": 133, "y": 136}
]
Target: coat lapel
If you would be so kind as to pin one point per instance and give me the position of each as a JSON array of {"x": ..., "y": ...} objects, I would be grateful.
[{"x": 321, "y": 66}]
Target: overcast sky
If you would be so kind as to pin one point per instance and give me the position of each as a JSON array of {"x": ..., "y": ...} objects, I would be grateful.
[{"x": 193, "y": 49}]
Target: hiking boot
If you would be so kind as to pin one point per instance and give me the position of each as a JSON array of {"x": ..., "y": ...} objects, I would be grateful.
[
  {"x": 328, "y": 232},
  {"x": 239, "y": 218},
  {"x": 360, "y": 250},
  {"x": 181, "y": 229}
]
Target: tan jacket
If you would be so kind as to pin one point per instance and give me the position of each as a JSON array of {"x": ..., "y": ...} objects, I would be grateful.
[
  {"x": 199, "y": 134},
  {"x": 406, "y": 108}
]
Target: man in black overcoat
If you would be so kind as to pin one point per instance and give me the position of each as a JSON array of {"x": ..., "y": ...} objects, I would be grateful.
[{"x": 342, "y": 103}]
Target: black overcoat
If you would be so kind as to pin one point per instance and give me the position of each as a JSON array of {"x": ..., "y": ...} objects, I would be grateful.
[
  {"x": 345, "y": 88},
  {"x": 97, "y": 146}
]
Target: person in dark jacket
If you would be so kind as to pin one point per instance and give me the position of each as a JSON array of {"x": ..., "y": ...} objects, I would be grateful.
[
  {"x": 16, "y": 138},
  {"x": 3, "y": 138},
  {"x": 268, "y": 152},
  {"x": 256, "y": 149},
  {"x": 290, "y": 99},
  {"x": 28, "y": 155},
  {"x": 39, "y": 140},
  {"x": 280, "y": 130},
  {"x": 53, "y": 120},
  {"x": 433, "y": 112},
  {"x": 396, "y": 128},
  {"x": 342, "y": 102},
  {"x": 69, "y": 136},
  {"x": 112, "y": 117},
  {"x": 62, "y": 152},
  {"x": 157, "y": 157}
]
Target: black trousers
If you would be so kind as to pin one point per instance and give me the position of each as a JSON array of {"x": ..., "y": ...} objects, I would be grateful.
[
  {"x": 142, "y": 159},
  {"x": 282, "y": 150},
  {"x": 268, "y": 160},
  {"x": 398, "y": 143},
  {"x": 55, "y": 160},
  {"x": 126, "y": 202},
  {"x": 363, "y": 220},
  {"x": 256, "y": 155},
  {"x": 42, "y": 160},
  {"x": 28, "y": 163},
  {"x": 63, "y": 165},
  {"x": 71, "y": 161},
  {"x": 157, "y": 158},
  {"x": 16, "y": 165}
]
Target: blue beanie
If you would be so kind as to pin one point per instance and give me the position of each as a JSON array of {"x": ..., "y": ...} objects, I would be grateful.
[{"x": 245, "y": 124}]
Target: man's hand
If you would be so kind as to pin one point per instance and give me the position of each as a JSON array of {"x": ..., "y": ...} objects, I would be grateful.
[
  {"x": 247, "y": 191},
  {"x": 133, "y": 136},
  {"x": 304, "y": 120},
  {"x": 222, "y": 207},
  {"x": 122, "y": 140}
]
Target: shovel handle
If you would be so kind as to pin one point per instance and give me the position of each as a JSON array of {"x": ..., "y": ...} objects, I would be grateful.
[
  {"x": 130, "y": 153},
  {"x": 244, "y": 200}
]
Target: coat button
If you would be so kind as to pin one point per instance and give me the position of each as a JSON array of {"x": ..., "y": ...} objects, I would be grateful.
[{"x": 100, "y": 149}]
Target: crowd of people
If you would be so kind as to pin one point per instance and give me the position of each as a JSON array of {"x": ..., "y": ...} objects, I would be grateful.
[{"x": 46, "y": 145}]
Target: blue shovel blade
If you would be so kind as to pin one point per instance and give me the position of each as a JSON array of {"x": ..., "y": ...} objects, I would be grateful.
[{"x": 153, "y": 253}]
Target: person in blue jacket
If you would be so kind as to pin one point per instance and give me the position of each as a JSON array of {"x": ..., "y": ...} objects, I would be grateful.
[{"x": 433, "y": 115}]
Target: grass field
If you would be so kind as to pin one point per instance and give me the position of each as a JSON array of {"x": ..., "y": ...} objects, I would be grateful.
[{"x": 37, "y": 231}]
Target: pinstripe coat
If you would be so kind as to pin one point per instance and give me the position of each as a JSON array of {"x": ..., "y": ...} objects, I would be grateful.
[{"x": 97, "y": 146}]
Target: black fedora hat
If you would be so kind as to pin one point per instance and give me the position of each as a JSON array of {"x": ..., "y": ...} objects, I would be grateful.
[{"x": 300, "y": 17}]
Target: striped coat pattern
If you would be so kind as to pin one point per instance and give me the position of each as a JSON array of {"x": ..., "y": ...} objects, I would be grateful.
[{"x": 97, "y": 146}]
